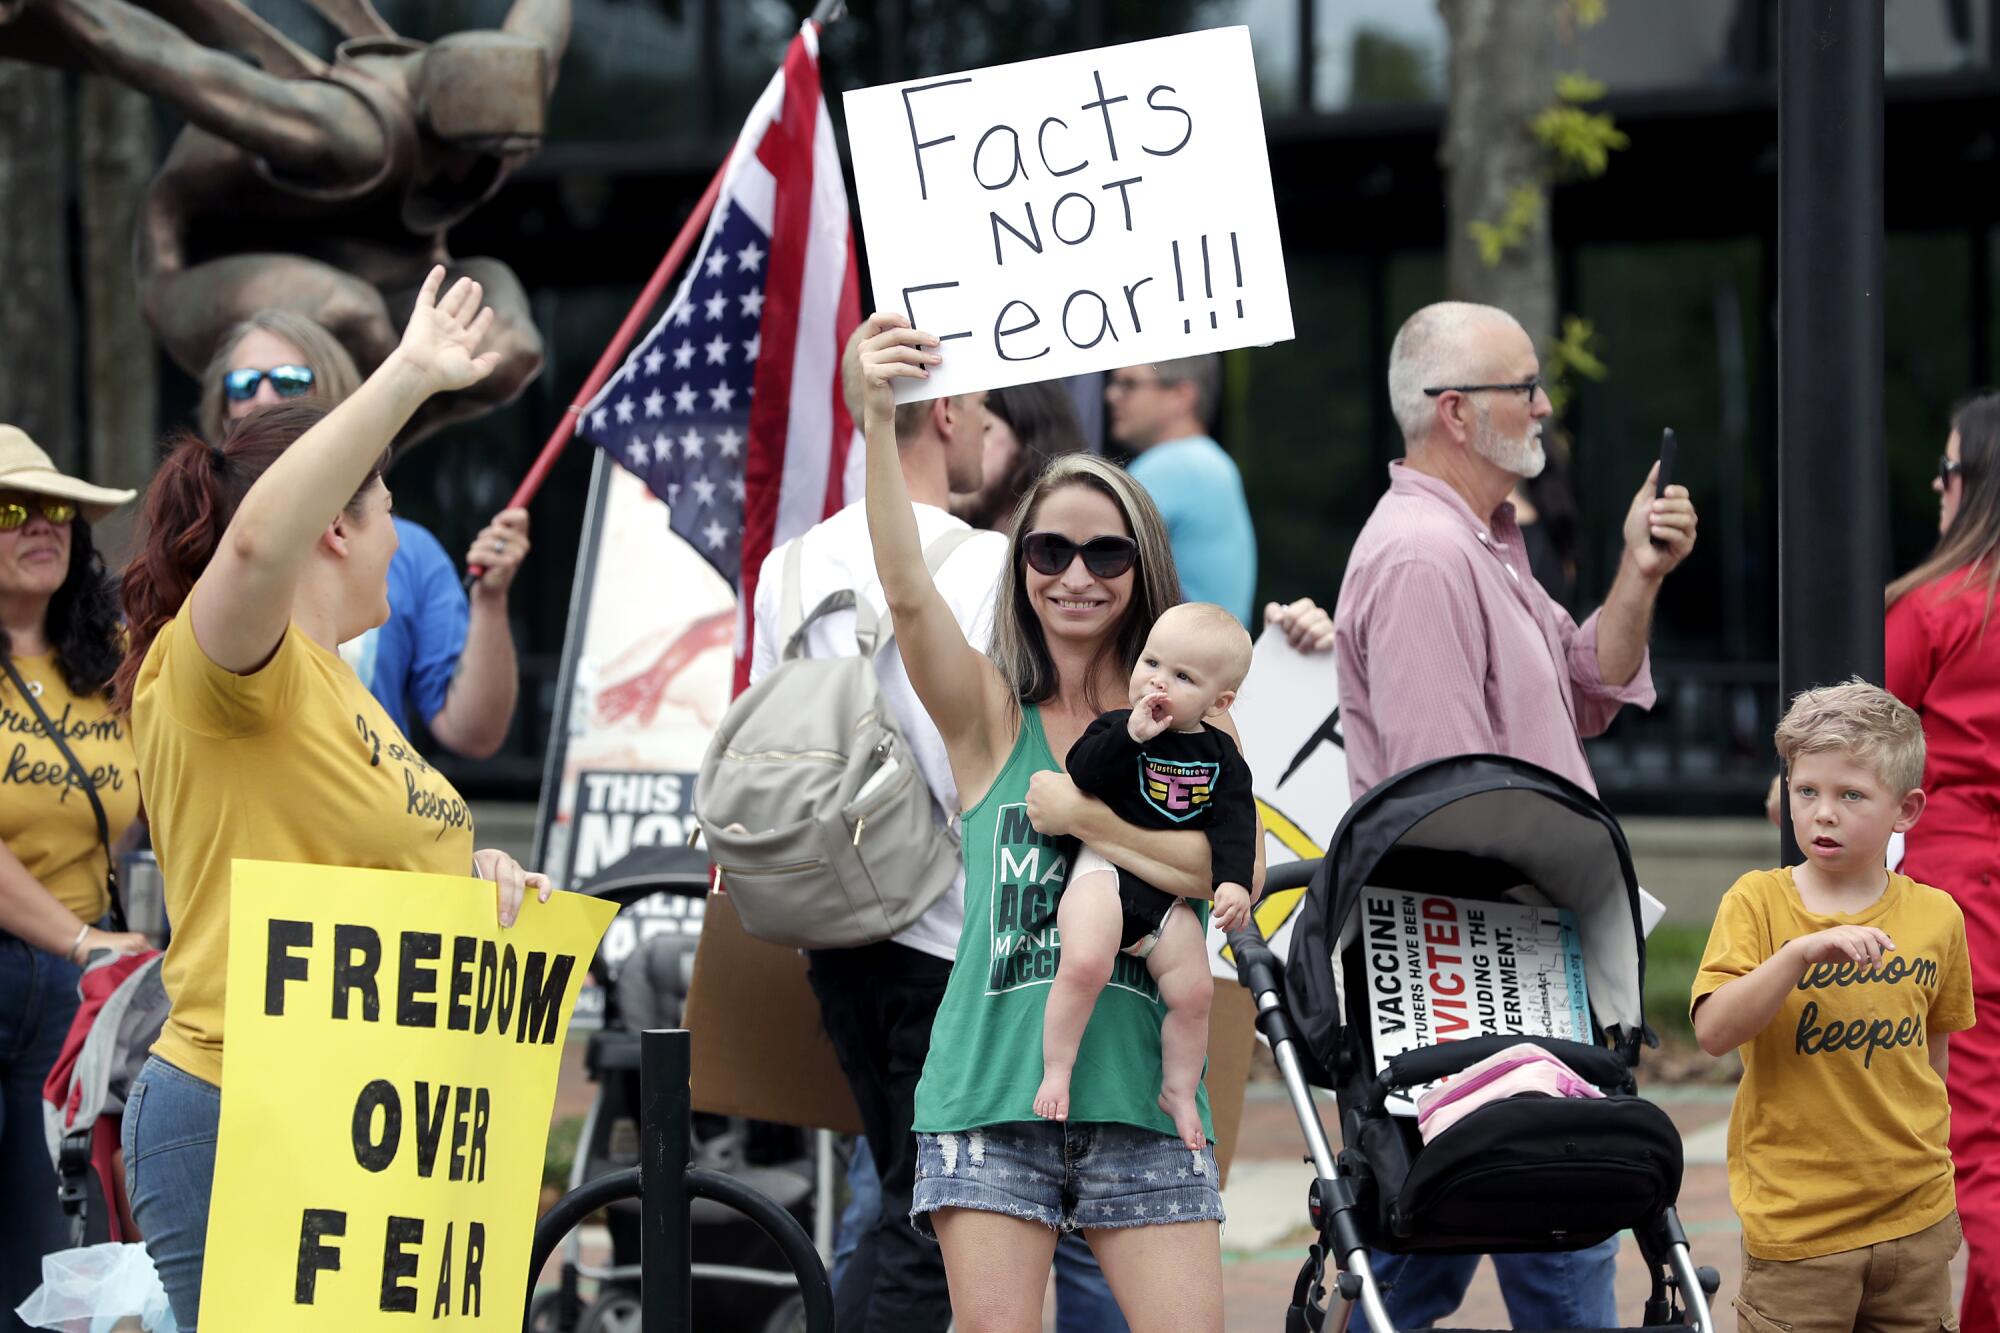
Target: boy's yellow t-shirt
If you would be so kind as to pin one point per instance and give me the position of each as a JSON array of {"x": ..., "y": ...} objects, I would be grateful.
[
  {"x": 294, "y": 762},
  {"x": 1838, "y": 1136},
  {"x": 45, "y": 814}
]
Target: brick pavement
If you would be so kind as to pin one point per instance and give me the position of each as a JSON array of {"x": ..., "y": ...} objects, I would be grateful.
[{"x": 1257, "y": 1282}]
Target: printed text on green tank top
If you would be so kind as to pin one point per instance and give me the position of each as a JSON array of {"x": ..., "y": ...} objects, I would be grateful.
[{"x": 1028, "y": 875}]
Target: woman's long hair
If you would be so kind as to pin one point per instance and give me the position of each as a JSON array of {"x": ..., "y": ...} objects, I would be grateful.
[
  {"x": 1019, "y": 647},
  {"x": 1969, "y": 545},
  {"x": 1045, "y": 425},
  {"x": 82, "y": 621},
  {"x": 335, "y": 375},
  {"x": 188, "y": 507}
]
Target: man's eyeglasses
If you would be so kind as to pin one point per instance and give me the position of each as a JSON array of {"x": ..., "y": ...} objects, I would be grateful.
[
  {"x": 1948, "y": 467},
  {"x": 240, "y": 386},
  {"x": 1130, "y": 384},
  {"x": 15, "y": 511},
  {"x": 1105, "y": 557},
  {"x": 1530, "y": 387}
]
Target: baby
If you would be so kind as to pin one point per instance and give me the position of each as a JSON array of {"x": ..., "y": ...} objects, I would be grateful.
[{"x": 1158, "y": 764}]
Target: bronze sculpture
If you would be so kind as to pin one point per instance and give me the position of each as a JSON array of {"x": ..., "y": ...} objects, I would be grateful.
[{"x": 322, "y": 188}]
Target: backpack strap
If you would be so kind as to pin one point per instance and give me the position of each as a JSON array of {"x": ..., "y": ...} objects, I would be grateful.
[
  {"x": 792, "y": 624},
  {"x": 790, "y": 614},
  {"x": 872, "y": 632},
  {"x": 940, "y": 550},
  {"x": 935, "y": 555}
]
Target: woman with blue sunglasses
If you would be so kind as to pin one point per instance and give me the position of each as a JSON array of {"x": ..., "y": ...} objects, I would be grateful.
[
  {"x": 442, "y": 657},
  {"x": 273, "y": 357}
]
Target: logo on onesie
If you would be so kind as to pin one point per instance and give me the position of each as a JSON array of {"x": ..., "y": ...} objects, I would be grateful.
[{"x": 1177, "y": 788}]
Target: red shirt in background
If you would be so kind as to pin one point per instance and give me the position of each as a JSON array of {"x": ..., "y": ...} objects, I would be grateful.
[{"x": 1944, "y": 661}]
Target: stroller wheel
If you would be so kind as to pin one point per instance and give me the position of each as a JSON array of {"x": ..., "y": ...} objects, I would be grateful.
[
  {"x": 790, "y": 1317},
  {"x": 545, "y": 1313},
  {"x": 616, "y": 1311}
]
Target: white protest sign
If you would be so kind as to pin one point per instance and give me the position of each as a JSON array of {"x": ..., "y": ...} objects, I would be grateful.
[
  {"x": 1077, "y": 213},
  {"x": 1288, "y": 715}
]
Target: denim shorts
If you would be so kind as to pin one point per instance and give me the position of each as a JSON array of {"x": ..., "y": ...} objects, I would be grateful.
[{"x": 1067, "y": 1176}]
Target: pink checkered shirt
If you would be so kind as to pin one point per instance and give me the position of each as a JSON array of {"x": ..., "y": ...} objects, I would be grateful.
[{"x": 1447, "y": 645}]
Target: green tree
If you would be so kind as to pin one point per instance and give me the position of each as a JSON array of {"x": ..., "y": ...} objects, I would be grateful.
[{"x": 1384, "y": 69}]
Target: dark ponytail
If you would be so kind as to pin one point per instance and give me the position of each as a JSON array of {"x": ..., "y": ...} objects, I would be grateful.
[{"x": 187, "y": 509}]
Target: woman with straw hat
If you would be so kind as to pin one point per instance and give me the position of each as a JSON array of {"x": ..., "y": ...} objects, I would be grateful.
[{"x": 68, "y": 792}]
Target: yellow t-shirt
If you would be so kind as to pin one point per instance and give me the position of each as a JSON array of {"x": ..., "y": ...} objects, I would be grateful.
[
  {"x": 294, "y": 762},
  {"x": 45, "y": 816},
  {"x": 1838, "y": 1136}
]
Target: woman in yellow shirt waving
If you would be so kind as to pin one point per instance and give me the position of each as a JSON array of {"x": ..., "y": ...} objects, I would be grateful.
[{"x": 259, "y": 556}]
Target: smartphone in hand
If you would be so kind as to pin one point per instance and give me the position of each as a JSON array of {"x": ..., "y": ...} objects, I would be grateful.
[{"x": 1666, "y": 473}]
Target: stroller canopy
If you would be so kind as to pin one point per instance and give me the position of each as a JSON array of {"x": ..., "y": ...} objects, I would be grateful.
[{"x": 1548, "y": 831}]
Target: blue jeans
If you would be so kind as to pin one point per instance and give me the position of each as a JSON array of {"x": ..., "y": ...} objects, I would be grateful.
[
  {"x": 1571, "y": 1290},
  {"x": 1083, "y": 1297},
  {"x": 37, "y": 1001},
  {"x": 170, "y": 1123}
]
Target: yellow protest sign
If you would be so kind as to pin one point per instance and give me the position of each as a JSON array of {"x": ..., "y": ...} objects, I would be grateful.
[{"x": 388, "y": 1076}]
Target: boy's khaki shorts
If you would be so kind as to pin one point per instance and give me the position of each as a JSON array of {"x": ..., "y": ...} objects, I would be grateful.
[{"x": 1893, "y": 1286}]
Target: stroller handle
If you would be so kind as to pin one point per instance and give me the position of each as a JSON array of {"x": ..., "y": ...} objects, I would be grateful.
[{"x": 1257, "y": 967}]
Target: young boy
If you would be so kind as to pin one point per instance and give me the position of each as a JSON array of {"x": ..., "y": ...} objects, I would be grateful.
[
  {"x": 1159, "y": 765},
  {"x": 1841, "y": 982}
]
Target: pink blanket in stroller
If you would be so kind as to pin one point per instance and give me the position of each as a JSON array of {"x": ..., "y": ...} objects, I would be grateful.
[{"x": 1524, "y": 1068}]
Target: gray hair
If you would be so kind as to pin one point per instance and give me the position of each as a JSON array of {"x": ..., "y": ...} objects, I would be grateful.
[
  {"x": 1204, "y": 372},
  {"x": 1434, "y": 347}
]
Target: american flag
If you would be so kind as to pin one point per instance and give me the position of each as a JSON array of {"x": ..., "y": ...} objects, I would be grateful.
[{"x": 730, "y": 409}]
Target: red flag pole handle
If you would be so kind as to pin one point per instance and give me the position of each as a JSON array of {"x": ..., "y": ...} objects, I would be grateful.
[{"x": 614, "y": 352}]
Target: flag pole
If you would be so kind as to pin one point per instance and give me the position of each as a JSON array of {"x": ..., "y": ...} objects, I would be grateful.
[{"x": 825, "y": 12}]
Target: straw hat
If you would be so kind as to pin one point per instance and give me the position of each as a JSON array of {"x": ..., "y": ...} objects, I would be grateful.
[{"x": 24, "y": 466}]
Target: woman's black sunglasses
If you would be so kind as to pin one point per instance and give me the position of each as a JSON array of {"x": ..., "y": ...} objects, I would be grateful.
[
  {"x": 240, "y": 386},
  {"x": 1104, "y": 557}
]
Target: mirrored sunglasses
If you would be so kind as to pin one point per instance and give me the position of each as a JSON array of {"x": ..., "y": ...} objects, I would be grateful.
[
  {"x": 1105, "y": 557},
  {"x": 16, "y": 510},
  {"x": 240, "y": 386}
]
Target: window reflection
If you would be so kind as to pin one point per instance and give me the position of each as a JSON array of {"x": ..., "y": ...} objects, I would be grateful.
[
  {"x": 632, "y": 73},
  {"x": 1377, "y": 53},
  {"x": 1936, "y": 36}
]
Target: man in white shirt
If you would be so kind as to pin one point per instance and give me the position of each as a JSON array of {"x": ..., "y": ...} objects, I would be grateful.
[{"x": 877, "y": 1001}]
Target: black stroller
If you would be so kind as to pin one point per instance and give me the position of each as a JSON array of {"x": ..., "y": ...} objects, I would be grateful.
[
  {"x": 1523, "y": 1174},
  {"x": 742, "y": 1279}
]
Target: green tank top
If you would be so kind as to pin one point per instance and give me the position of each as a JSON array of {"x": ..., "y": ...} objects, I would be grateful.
[{"x": 985, "y": 1059}]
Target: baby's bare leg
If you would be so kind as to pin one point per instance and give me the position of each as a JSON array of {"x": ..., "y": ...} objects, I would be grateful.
[
  {"x": 1090, "y": 920},
  {"x": 1179, "y": 963}
]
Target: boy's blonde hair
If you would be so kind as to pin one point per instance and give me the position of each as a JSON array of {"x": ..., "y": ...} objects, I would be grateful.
[
  {"x": 1859, "y": 719},
  {"x": 1221, "y": 627}
]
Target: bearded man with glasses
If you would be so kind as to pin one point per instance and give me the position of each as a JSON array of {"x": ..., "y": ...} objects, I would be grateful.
[{"x": 1447, "y": 645}]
